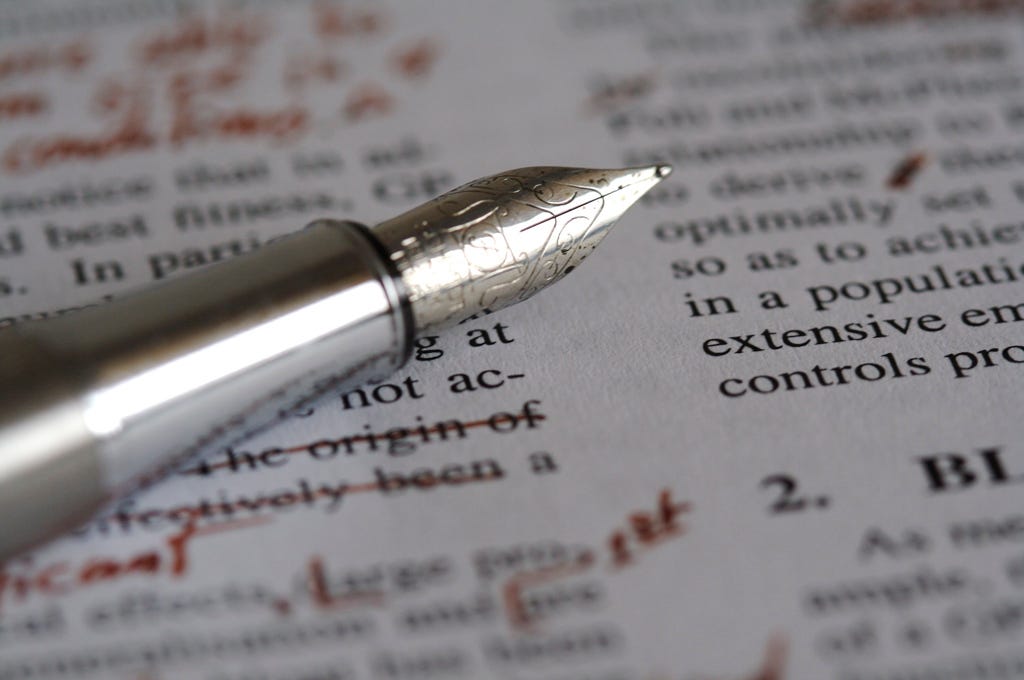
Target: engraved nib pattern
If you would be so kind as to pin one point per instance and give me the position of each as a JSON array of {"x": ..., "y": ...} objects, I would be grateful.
[{"x": 493, "y": 242}]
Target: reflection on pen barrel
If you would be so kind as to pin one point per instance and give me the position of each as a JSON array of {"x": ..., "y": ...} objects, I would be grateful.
[{"x": 91, "y": 403}]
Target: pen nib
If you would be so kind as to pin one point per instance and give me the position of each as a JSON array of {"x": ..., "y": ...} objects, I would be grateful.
[{"x": 493, "y": 242}]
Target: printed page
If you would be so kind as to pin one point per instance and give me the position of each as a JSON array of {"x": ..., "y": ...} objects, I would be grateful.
[{"x": 770, "y": 430}]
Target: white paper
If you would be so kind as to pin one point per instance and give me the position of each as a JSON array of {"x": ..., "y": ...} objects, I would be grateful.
[{"x": 582, "y": 499}]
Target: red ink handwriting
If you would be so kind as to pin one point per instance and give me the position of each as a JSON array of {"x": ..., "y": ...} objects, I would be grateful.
[
  {"x": 186, "y": 75},
  {"x": 28, "y": 153},
  {"x": 324, "y": 598},
  {"x": 870, "y": 12},
  {"x": 22, "y": 105},
  {"x": 772, "y": 667},
  {"x": 415, "y": 61},
  {"x": 332, "y": 21},
  {"x": 18, "y": 584},
  {"x": 70, "y": 57},
  {"x": 512, "y": 594},
  {"x": 647, "y": 529},
  {"x": 303, "y": 70},
  {"x": 277, "y": 125},
  {"x": 904, "y": 174},
  {"x": 329, "y": 447},
  {"x": 367, "y": 100},
  {"x": 773, "y": 663},
  {"x": 613, "y": 94},
  {"x": 195, "y": 36}
]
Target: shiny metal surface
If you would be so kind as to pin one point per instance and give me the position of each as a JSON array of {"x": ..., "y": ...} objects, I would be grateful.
[
  {"x": 51, "y": 475},
  {"x": 197, "y": 363},
  {"x": 496, "y": 241},
  {"x": 235, "y": 344},
  {"x": 99, "y": 402}
]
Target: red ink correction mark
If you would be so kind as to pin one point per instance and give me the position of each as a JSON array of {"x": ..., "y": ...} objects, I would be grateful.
[
  {"x": 512, "y": 594},
  {"x": 316, "y": 68},
  {"x": 185, "y": 73},
  {"x": 367, "y": 100},
  {"x": 773, "y": 663},
  {"x": 333, "y": 21},
  {"x": 70, "y": 57},
  {"x": 374, "y": 438},
  {"x": 277, "y": 125},
  {"x": 131, "y": 135},
  {"x": 18, "y": 583},
  {"x": 645, "y": 530},
  {"x": 320, "y": 590},
  {"x": 873, "y": 12},
  {"x": 191, "y": 37},
  {"x": 416, "y": 60},
  {"x": 119, "y": 95},
  {"x": 266, "y": 501},
  {"x": 22, "y": 105},
  {"x": 218, "y": 79},
  {"x": 614, "y": 94},
  {"x": 128, "y": 130},
  {"x": 772, "y": 667},
  {"x": 907, "y": 170}
]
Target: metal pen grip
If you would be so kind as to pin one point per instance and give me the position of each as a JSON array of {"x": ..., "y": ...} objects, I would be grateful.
[{"x": 96, "y": 401}]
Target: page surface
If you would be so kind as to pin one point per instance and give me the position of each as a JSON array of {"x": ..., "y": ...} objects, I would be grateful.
[{"x": 771, "y": 429}]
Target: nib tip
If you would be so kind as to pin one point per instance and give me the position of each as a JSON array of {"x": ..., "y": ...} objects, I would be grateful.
[{"x": 663, "y": 170}]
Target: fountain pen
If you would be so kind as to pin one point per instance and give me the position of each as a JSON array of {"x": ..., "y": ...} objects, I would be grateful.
[{"x": 103, "y": 401}]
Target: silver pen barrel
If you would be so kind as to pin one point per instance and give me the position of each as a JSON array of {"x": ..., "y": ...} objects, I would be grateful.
[
  {"x": 95, "y": 403},
  {"x": 102, "y": 401}
]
